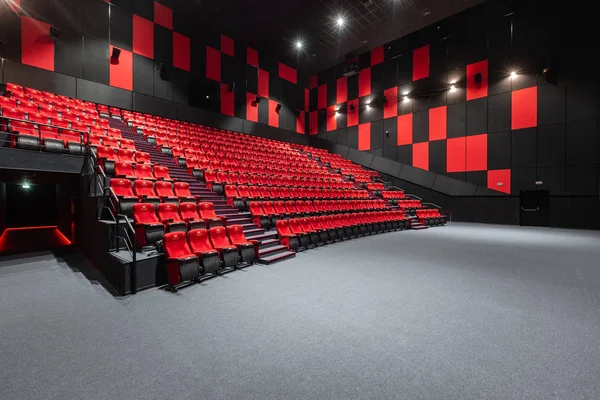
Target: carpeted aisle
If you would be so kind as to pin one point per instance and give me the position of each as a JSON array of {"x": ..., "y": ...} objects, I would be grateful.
[{"x": 461, "y": 312}]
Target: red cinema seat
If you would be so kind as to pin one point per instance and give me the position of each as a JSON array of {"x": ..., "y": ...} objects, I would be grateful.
[
  {"x": 207, "y": 212},
  {"x": 73, "y": 141},
  {"x": 297, "y": 229},
  {"x": 182, "y": 190},
  {"x": 290, "y": 207},
  {"x": 28, "y": 135},
  {"x": 247, "y": 249},
  {"x": 233, "y": 197},
  {"x": 142, "y": 158},
  {"x": 162, "y": 173},
  {"x": 122, "y": 194},
  {"x": 126, "y": 156},
  {"x": 182, "y": 263},
  {"x": 127, "y": 144},
  {"x": 203, "y": 249},
  {"x": 189, "y": 214},
  {"x": 328, "y": 224},
  {"x": 286, "y": 237},
  {"x": 259, "y": 217},
  {"x": 280, "y": 208},
  {"x": 168, "y": 214},
  {"x": 124, "y": 170},
  {"x": 109, "y": 142},
  {"x": 227, "y": 251},
  {"x": 144, "y": 171},
  {"x": 144, "y": 190},
  {"x": 51, "y": 140},
  {"x": 148, "y": 228},
  {"x": 312, "y": 233},
  {"x": 164, "y": 190}
]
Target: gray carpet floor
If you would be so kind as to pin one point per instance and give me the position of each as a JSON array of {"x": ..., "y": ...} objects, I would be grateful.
[{"x": 461, "y": 312}]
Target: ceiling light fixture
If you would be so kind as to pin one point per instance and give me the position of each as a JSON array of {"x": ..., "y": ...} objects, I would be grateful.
[
  {"x": 340, "y": 21},
  {"x": 299, "y": 44},
  {"x": 406, "y": 98},
  {"x": 513, "y": 74},
  {"x": 452, "y": 88},
  {"x": 368, "y": 106}
]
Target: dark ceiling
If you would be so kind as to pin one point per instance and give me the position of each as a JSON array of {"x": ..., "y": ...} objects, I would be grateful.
[{"x": 276, "y": 25}]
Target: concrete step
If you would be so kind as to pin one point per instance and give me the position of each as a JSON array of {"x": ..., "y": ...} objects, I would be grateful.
[
  {"x": 272, "y": 250},
  {"x": 272, "y": 259},
  {"x": 261, "y": 237},
  {"x": 265, "y": 244},
  {"x": 253, "y": 232}
]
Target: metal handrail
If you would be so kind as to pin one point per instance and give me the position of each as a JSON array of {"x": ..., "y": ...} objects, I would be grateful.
[{"x": 132, "y": 250}]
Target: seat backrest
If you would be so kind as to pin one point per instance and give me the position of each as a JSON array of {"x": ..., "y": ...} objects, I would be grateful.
[
  {"x": 126, "y": 155},
  {"x": 143, "y": 188},
  {"x": 143, "y": 213},
  {"x": 290, "y": 206},
  {"x": 279, "y": 206},
  {"x": 175, "y": 245},
  {"x": 295, "y": 226},
  {"x": 161, "y": 172},
  {"x": 121, "y": 187},
  {"x": 306, "y": 225},
  {"x": 210, "y": 176},
  {"x": 182, "y": 189},
  {"x": 256, "y": 208},
  {"x": 231, "y": 191},
  {"x": 168, "y": 211},
  {"x": 188, "y": 210},
  {"x": 142, "y": 157},
  {"x": 236, "y": 234},
  {"x": 206, "y": 210},
  {"x": 315, "y": 222},
  {"x": 268, "y": 207},
  {"x": 123, "y": 168},
  {"x": 199, "y": 241},
  {"x": 144, "y": 171},
  {"x": 243, "y": 191},
  {"x": 254, "y": 191},
  {"x": 265, "y": 192},
  {"x": 164, "y": 189},
  {"x": 283, "y": 227},
  {"x": 218, "y": 237}
]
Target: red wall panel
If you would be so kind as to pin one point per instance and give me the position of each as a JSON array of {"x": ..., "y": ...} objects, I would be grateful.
[
  {"x": 37, "y": 49},
  {"x": 331, "y": 119},
  {"x": 181, "y": 51},
  {"x": 306, "y": 99},
  {"x": 421, "y": 63},
  {"x": 364, "y": 82},
  {"x": 313, "y": 81},
  {"x": 405, "y": 129},
  {"x": 456, "y": 155},
  {"x": 213, "y": 64},
  {"x": 143, "y": 37},
  {"x": 227, "y": 45},
  {"x": 437, "y": 123},
  {"x": 313, "y": 122},
  {"x": 421, "y": 155},
  {"x": 342, "y": 90},
  {"x": 499, "y": 180},
  {"x": 251, "y": 107},
  {"x": 352, "y": 116},
  {"x": 477, "y": 152},
  {"x": 524, "y": 108},
  {"x": 263, "y": 83},
  {"x": 300, "y": 118},
  {"x": 390, "y": 107},
  {"x": 476, "y": 90},
  {"x": 377, "y": 55},
  {"x": 226, "y": 100},
  {"x": 322, "y": 97},
  {"x": 163, "y": 16},
  {"x": 251, "y": 56},
  {"x": 288, "y": 73},
  {"x": 273, "y": 114},
  {"x": 364, "y": 136},
  {"x": 121, "y": 75}
]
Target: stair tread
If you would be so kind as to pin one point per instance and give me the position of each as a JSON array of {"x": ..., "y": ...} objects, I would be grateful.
[
  {"x": 280, "y": 256},
  {"x": 270, "y": 250}
]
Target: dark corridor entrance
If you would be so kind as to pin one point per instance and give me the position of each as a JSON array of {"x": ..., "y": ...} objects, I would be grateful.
[{"x": 535, "y": 208}]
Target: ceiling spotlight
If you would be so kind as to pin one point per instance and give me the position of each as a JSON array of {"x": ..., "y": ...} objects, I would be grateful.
[
  {"x": 337, "y": 114},
  {"x": 298, "y": 44},
  {"x": 340, "y": 21},
  {"x": 207, "y": 96},
  {"x": 452, "y": 88},
  {"x": 513, "y": 74},
  {"x": 406, "y": 98},
  {"x": 368, "y": 106}
]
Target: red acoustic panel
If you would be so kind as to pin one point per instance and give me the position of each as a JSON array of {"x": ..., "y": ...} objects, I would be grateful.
[
  {"x": 421, "y": 63},
  {"x": 213, "y": 64},
  {"x": 288, "y": 73},
  {"x": 251, "y": 107},
  {"x": 405, "y": 129},
  {"x": 499, "y": 179},
  {"x": 456, "y": 155},
  {"x": 390, "y": 107},
  {"x": 306, "y": 99},
  {"x": 37, "y": 49},
  {"x": 364, "y": 82},
  {"x": 331, "y": 119},
  {"x": 121, "y": 74},
  {"x": 475, "y": 89},
  {"x": 251, "y": 56},
  {"x": 437, "y": 123},
  {"x": 273, "y": 114},
  {"x": 313, "y": 122},
  {"x": 352, "y": 115},
  {"x": 313, "y": 81},
  {"x": 300, "y": 118},
  {"x": 322, "y": 96},
  {"x": 226, "y": 100},
  {"x": 342, "y": 90},
  {"x": 263, "y": 83},
  {"x": 421, "y": 155},
  {"x": 143, "y": 37},
  {"x": 377, "y": 55},
  {"x": 163, "y": 16},
  {"x": 227, "y": 45},
  {"x": 181, "y": 51},
  {"x": 524, "y": 108},
  {"x": 364, "y": 136},
  {"x": 477, "y": 152}
]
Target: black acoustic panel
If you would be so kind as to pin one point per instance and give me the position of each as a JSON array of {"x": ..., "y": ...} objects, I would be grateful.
[
  {"x": 121, "y": 28},
  {"x": 456, "y": 120},
  {"x": 405, "y": 105},
  {"x": 390, "y": 73},
  {"x": 331, "y": 92},
  {"x": 524, "y": 147},
  {"x": 478, "y": 178},
  {"x": 453, "y": 187},
  {"x": 498, "y": 156},
  {"x": 143, "y": 75},
  {"x": 417, "y": 176},
  {"x": 420, "y": 101},
  {"x": 404, "y": 72},
  {"x": 582, "y": 142},
  {"x": 163, "y": 88},
  {"x": 437, "y": 156},
  {"x": 39, "y": 79},
  {"x": 376, "y": 107},
  {"x": 421, "y": 126},
  {"x": 299, "y": 139},
  {"x": 95, "y": 20},
  {"x": 275, "y": 87},
  {"x": 390, "y": 132},
  {"x": 103, "y": 94},
  {"x": 331, "y": 136},
  {"x": 341, "y": 150},
  {"x": 360, "y": 157},
  {"x": 405, "y": 154},
  {"x": 551, "y": 104},
  {"x": 376, "y": 152},
  {"x": 287, "y": 118},
  {"x": 69, "y": 17},
  {"x": 322, "y": 121},
  {"x": 459, "y": 93},
  {"x": 263, "y": 111},
  {"x": 154, "y": 106},
  {"x": 582, "y": 180},
  {"x": 144, "y": 8},
  {"x": 182, "y": 23},
  {"x": 68, "y": 54},
  {"x": 266, "y": 62},
  {"x": 461, "y": 176},
  {"x": 353, "y": 137},
  {"x": 195, "y": 115},
  {"x": 377, "y": 134},
  {"x": 312, "y": 101},
  {"x": 163, "y": 45},
  {"x": 341, "y": 136},
  {"x": 551, "y": 145},
  {"x": 95, "y": 61},
  {"x": 499, "y": 112},
  {"x": 198, "y": 59},
  {"x": 390, "y": 153},
  {"x": 477, "y": 121},
  {"x": 582, "y": 100},
  {"x": 377, "y": 78},
  {"x": 180, "y": 81},
  {"x": 229, "y": 72},
  {"x": 522, "y": 178},
  {"x": 42, "y": 10},
  {"x": 499, "y": 80},
  {"x": 386, "y": 165},
  {"x": 251, "y": 79},
  {"x": 438, "y": 99},
  {"x": 364, "y": 112},
  {"x": 230, "y": 123},
  {"x": 524, "y": 80},
  {"x": 126, "y": 5},
  {"x": 553, "y": 179},
  {"x": 248, "y": 126}
]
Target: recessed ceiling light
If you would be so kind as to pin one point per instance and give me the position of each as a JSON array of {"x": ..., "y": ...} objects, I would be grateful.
[
  {"x": 406, "y": 98},
  {"x": 513, "y": 74},
  {"x": 340, "y": 21},
  {"x": 368, "y": 106},
  {"x": 299, "y": 44}
]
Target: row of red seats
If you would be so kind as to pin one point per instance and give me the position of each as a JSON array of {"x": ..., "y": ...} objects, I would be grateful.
[
  {"x": 431, "y": 217},
  {"x": 392, "y": 195},
  {"x": 210, "y": 178},
  {"x": 58, "y": 102},
  {"x": 241, "y": 194},
  {"x": 202, "y": 251},
  {"x": 303, "y": 233},
  {"x": 111, "y": 141},
  {"x": 248, "y": 167},
  {"x": 30, "y": 111},
  {"x": 108, "y": 157},
  {"x": 267, "y": 213}
]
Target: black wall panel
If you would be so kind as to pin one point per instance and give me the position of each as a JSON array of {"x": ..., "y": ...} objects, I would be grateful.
[
  {"x": 477, "y": 177},
  {"x": 103, "y": 94},
  {"x": 39, "y": 79},
  {"x": 582, "y": 142},
  {"x": 163, "y": 45},
  {"x": 352, "y": 87},
  {"x": 498, "y": 156},
  {"x": 121, "y": 28},
  {"x": 390, "y": 153},
  {"x": 95, "y": 20},
  {"x": 499, "y": 112},
  {"x": 551, "y": 104},
  {"x": 95, "y": 61},
  {"x": 421, "y": 126},
  {"x": 405, "y": 154},
  {"x": 377, "y": 134},
  {"x": 68, "y": 16},
  {"x": 154, "y": 106},
  {"x": 39, "y": 9},
  {"x": 163, "y": 88},
  {"x": 523, "y": 148},
  {"x": 390, "y": 133},
  {"x": 353, "y": 137},
  {"x": 477, "y": 118},
  {"x": 456, "y": 120},
  {"x": 582, "y": 100},
  {"x": 551, "y": 145},
  {"x": 437, "y": 156},
  {"x": 553, "y": 179},
  {"x": 523, "y": 178},
  {"x": 68, "y": 54},
  {"x": 582, "y": 180},
  {"x": 144, "y": 8},
  {"x": 143, "y": 75}
]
